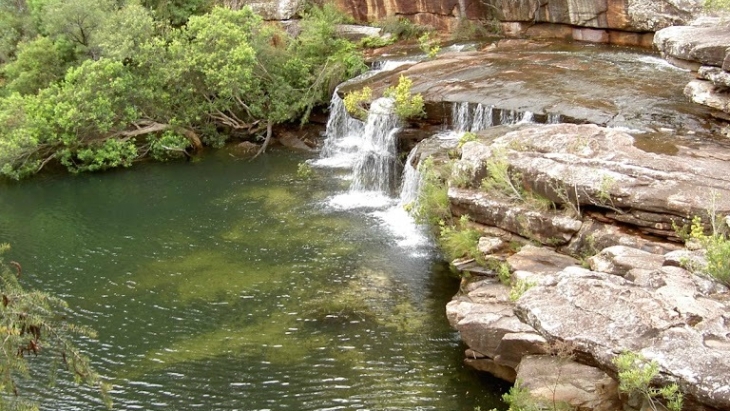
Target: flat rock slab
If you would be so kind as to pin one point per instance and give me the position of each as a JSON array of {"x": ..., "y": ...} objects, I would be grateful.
[
  {"x": 608, "y": 169},
  {"x": 703, "y": 45},
  {"x": 581, "y": 84}
]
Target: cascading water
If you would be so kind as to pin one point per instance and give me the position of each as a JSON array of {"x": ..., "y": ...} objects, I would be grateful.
[
  {"x": 370, "y": 151},
  {"x": 467, "y": 118},
  {"x": 342, "y": 137},
  {"x": 375, "y": 166},
  {"x": 411, "y": 185}
]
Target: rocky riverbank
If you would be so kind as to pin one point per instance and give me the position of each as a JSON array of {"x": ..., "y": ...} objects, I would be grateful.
[{"x": 606, "y": 270}]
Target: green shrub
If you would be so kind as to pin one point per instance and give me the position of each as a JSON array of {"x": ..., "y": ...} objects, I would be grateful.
[
  {"x": 429, "y": 45},
  {"x": 401, "y": 27},
  {"x": 305, "y": 171},
  {"x": 502, "y": 180},
  {"x": 635, "y": 374},
  {"x": 433, "y": 199},
  {"x": 519, "y": 288},
  {"x": 355, "y": 102},
  {"x": 459, "y": 240},
  {"x": 717, "y": 250},
  {"x": 374, "y": 42},
  {"x": 717, "y": 5},
  {"x": 467, "y": 137},
  {"x": 407, "y": 104}
]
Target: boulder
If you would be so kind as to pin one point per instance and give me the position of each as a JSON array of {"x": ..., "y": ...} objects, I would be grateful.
[
  {"x": 717, "y": 76},
  {"x": 540, "y": 260},
  {"x": 602, "y": 315},
  {"x": 619, "y": 260},
  {"x": 707, "y": 94},
  {"x": 699, "y": 45},
  {"x": 556, "y": 380}
]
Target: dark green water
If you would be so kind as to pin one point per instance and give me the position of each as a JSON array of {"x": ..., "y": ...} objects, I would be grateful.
[{"x": 230, "y": 285}]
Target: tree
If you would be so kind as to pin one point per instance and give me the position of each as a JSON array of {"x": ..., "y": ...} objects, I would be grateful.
[
  {"x": 33, "y": 323},
  {"x": 38, "y": 64},
  {"x": 124, "y": 31},
  {"x": 78, "y": 21}
]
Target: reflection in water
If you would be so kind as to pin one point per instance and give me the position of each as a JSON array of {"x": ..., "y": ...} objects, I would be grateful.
[{"x": 228, "y": 284}]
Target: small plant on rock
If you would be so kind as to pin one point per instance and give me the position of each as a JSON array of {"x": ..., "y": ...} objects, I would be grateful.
[
  {"x": 304, "y": 171},
  {"x": 428, "y": 45},
  {"x": 519, "y": 288},
  {"x": 635, "y": 374},
  {"x": 432, "y": 206},
  {"x": 355, "y": 102},
  {"x": 460, "y": 240},
  {"x": 407, "y": 104},
  {"x": 467, "y": 137}
]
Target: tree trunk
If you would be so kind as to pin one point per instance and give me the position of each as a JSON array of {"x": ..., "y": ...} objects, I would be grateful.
[{"x": 269, "y": 133}]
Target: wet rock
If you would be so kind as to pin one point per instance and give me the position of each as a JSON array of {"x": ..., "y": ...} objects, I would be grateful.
[
  {"x": 619, "y": 260},
  {"x": 579, "y": 86},
  {"x": 488, "y": 365},
  {"x": 553, "y": 380},
  {"x": 602, "y": 314},
  {"x": 707, "y": 94}
]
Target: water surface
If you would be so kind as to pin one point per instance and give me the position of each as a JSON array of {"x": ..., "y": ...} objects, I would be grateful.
[{"x": 226, "y": 284}]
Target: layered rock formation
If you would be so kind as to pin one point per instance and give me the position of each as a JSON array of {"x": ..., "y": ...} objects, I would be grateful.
[
  {"x": 625, "y": 22},
  {"x": 620, "y": 206},
  {"x": 704, "y": 49}
]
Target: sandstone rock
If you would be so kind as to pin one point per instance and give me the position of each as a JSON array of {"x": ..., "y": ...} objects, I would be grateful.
[
  {"x": 491, "y": 245},
  {"x": 630, "y": 15},
  {"x": 483, "y": 317},
  {"x": 559, "y": 380},
  {"x": 707, "y": 94},
  {"x": 716, "y": 75},
  {"x": 490, "y": 366},
  {"x": 548, "y": 227},
  {"x": 606, "y": 169},
  {"x": 439, "y": 14},
  {"x": 540, "y": 260},
  {"x": 356, "y": 33},
  {"x": 601, "y": 315},
  {"x": 705, "y": 45},
  {"x": 619, "y": 260},
  {"x": 594, "y": 236},
  {"x": 515, "y": 346},
  {"x": 580, "y": 86}
]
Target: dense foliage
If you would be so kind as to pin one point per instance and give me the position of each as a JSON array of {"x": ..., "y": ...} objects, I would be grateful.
[
  {"x": 36, "y": 337},
  {"x": 93, "y": 84}
]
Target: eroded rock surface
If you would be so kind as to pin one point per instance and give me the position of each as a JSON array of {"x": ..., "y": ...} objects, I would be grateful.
[
  {"x": 572, "y": 83},
  {"x": 619, "y": 205}
]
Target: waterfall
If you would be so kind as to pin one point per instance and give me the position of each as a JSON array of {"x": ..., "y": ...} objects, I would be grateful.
[
  {"x": 554, "y": 118},
  {"x": 465, "y": 118},
  {"x": 375, "y": 166},
  {"x": 368, "y": 149},
  {"x": 411, "y": 185},
  {"x": 342, "y": 137}
]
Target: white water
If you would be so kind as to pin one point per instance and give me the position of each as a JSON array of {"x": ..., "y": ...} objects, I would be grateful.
[{"x": 369, "y": 151}]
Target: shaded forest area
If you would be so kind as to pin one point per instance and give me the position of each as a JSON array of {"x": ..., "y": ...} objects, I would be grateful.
[{"x": 96, "y": 84}]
